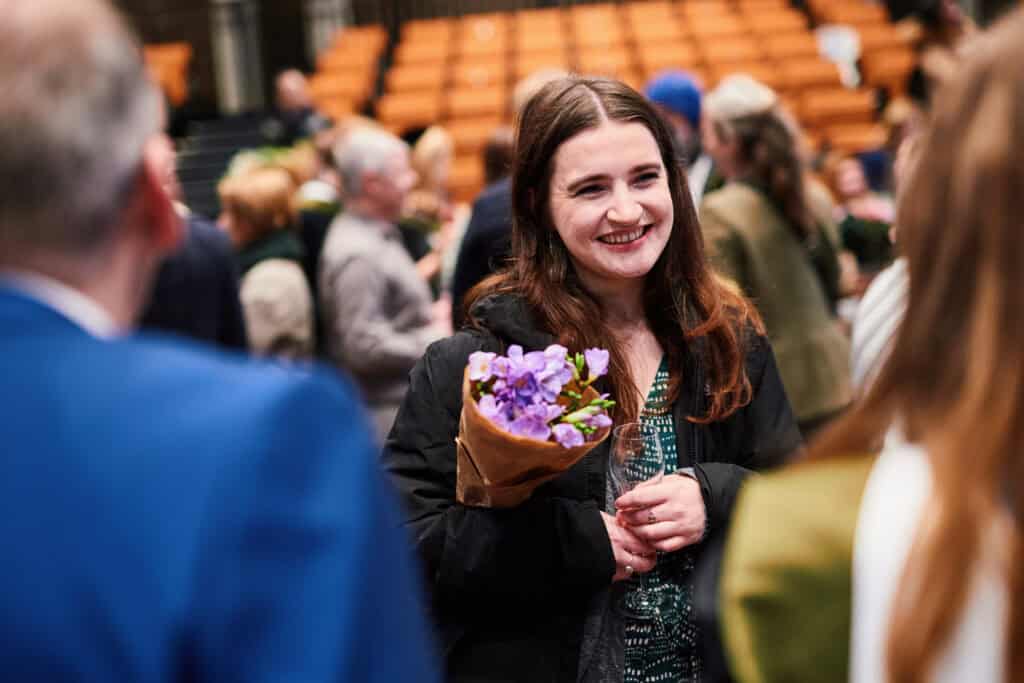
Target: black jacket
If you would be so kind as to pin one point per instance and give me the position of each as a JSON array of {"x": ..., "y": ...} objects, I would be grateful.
[
  {"x": 195, "y": 292},
  {"x": 486, "y": 244},
  {"x": 510, "y": 588}
]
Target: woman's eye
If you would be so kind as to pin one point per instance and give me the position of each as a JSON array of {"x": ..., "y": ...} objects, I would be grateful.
[
  {"x": 588, "y": 191},
  {"x": 646, "y": 178}
]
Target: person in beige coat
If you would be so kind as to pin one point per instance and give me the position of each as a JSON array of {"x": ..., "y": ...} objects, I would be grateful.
[{"x": 771, "y": 232}]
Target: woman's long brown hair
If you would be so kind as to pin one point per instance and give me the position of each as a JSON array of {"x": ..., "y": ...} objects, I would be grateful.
[
  {"x": 682, "y": 296},
  {"x": 955, "y": 375},
  {"x": 768, "y": 146}
]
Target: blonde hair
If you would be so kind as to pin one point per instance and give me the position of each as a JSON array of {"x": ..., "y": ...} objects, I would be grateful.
[
  {"x": 262, "y": 198},
  {"x": 433, "y": 148}
]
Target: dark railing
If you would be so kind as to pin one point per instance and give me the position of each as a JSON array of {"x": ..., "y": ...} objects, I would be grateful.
[{"x": 392, "y": 13}]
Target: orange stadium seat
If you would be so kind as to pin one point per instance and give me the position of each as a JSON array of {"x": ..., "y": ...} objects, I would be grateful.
[
  {"x": 856, "y": 13},
  {"x": 705, "y": 8},
  {"x": 475, "y": 102},
  {"x": 475, "y": 47},
  {"x": 777, "y": 22},
  {"x": 754, "y": 7},
  {"x": 540, "y": 41},
  {"x": 717, "y": 27},
  {"x": 526, "y": 64},
  {"x": 470, "y": 135},
  {"x": 419, "y": 53},
  {"x": 667, "y": 56},
  {"x": 889, "y": 68},
  {"x": 728, "y": 51},
  {"x": 428, "y": 29},
  {"x": 467, "y": 178},
  {"x": 646, "y": 30},
  {"x": 614, "y": 63},
  {"x": 480, "y": 74},
  {"x": 405, "y": 110},
  {"x": 336, "y": 107},
  {"x": 168, "y": 65},
  {"x": 881, "y": 37},
  {"x": 799, "y": 74},
  {"x": 354, "y": 85},
  {"x": 832, "y": 106},
  {"x": 790, "y": 45},
  {"x": 410, "y": 78}
]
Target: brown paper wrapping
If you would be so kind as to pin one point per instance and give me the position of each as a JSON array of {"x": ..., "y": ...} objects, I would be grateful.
[{"x": 499, "y": 470}]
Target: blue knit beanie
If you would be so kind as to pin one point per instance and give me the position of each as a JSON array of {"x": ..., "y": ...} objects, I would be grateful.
[{"x": 678, "y": 92}]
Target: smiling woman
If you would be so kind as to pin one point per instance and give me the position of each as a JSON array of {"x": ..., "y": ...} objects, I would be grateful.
[
  {"x": 610, "y": 204},
  {"x": 607, "y": 253}
]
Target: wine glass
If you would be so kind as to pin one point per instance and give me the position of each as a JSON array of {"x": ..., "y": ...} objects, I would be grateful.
[{"x": 636, "y": 459}]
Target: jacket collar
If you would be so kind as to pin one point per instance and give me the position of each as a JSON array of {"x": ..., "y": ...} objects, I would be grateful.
[{"x": 60, "y": 299}]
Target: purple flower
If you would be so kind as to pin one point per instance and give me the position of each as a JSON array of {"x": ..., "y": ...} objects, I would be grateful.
[
  {"x": 599, "y": 421},
  {"x": 597, "y": 362},
  {"x": 480, "y": 366},
  {"x": 567, "y": 435},
  {"x": 532, "y": 423},
  {"x": 494, "y": 410}
]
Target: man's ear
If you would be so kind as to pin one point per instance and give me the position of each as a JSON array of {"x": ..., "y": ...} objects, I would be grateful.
[{"x": 158, "y": 215}]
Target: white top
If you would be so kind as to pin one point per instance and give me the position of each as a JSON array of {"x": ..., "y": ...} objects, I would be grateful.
[
  {"x": 874, "y": 326},
  {"x": 894, "y": 499},
  {"x": 69, "y": 302}
]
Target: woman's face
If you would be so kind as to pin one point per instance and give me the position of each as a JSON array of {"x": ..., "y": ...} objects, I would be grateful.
[
  {"x": 722, "y": 152},
  {"x": 850, "y": 181},
  {"x": 610, "y": 203}
]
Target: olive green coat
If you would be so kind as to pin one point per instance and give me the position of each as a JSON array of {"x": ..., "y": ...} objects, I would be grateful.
[
  {"x": 750, "y": 243},
  {"x": 785, "y": 586}
]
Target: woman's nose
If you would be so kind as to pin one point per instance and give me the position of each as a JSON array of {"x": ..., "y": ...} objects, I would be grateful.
[{"x": 625, "y": 209}]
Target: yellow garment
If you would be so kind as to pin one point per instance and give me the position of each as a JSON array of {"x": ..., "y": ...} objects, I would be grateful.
[{"x": 786, "y": 573}]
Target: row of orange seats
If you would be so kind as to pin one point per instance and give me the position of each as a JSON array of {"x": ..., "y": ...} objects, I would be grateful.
[{"x": 347, "y": 71}]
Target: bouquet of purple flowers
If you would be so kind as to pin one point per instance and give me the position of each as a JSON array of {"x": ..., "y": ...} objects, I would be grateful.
[
  {"x": 526, "y": 418},
  {"x": 539, "y": 395}
]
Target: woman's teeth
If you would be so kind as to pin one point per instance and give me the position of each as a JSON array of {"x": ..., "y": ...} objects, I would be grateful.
[{"x": 623, "y": 237}]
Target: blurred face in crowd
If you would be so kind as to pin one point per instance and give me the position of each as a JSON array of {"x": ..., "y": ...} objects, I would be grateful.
[
  {"x": 292, "y": 91},
  {"x": 388, "y": 187},
  {"x": 721, "y": 150},
  {"x": 610, "y": 203},
  {"x": 850, "y": 180}
]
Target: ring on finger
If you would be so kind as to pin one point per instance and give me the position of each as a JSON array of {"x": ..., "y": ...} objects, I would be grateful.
[
  {"x": 651, "y": 518},
  {"x": 629, "y": 570}
]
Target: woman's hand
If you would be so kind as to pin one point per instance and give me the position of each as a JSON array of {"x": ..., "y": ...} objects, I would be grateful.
[
  {"x": 632, "y": 555},
  {"x": 668, "y": 515}
]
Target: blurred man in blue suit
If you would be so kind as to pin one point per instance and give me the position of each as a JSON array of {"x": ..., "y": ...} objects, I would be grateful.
[{"x": 166, "y": 513}]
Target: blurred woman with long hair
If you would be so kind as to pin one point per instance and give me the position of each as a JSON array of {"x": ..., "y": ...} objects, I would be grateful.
[
  {"x": 927, "y": 537},
  {"x": 772, "y": 233}
]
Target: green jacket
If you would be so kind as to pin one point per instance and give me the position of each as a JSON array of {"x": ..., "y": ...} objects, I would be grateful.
[
  {"x": 750, "y": 243},
  {"x": 785, "y": 586}
]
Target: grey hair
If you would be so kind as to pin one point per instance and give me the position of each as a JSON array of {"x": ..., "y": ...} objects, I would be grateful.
[
  {"x": 77, "y": 110},
  {"x": 364, "y": 150}
]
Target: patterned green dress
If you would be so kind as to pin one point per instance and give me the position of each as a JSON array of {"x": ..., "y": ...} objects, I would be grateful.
[{"x": 667, "y": 649}]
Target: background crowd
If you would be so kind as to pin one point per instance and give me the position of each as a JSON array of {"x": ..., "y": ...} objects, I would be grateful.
[{"x": 232, "y": 439}]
